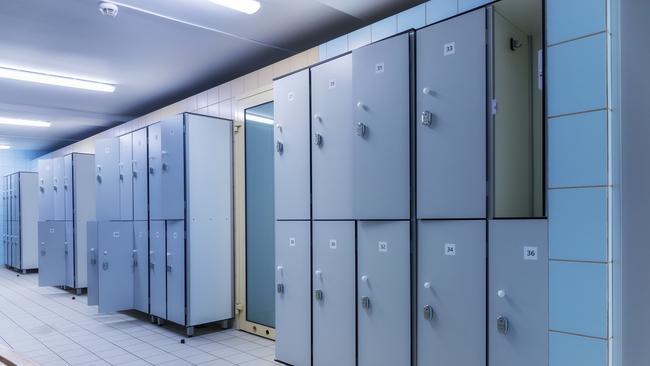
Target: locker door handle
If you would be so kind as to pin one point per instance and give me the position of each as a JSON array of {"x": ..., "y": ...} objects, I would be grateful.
[
  {"x": 279, "y": 147},
  {"x": 502, "y": 324},
  {"x": 150, "y": 170},
  {"x": 365, "y": 302},
  {"x": 280, "y": 288},
  {"x": 318, "y": 295},
  {"x": 428, "y": 312},
  {"x": 361, "y": 129},
  {"x": 426, "y": 119},
  {"x": 164, "y": 166},
  {"x": 134, "y": 174},
  {"x": 99, "y": 179},
  {"x": 105, "y": 266},
  {"x": 121, "y": 176},
  {"x": 317, "y": 139}
]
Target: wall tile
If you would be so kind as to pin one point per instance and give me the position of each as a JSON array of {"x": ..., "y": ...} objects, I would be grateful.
[
  {"x": 572, "y": 350},
  {"x": 213, "y": 95},
  {"x": 237, "y": 87},
  {"x": 265, "y": 76},
  {"x": 577, "y": 76},
  {"x": 384, "y": 28},
  {"x": 578, "y": 298},
  {"x": 251, "y": 81},
  {"x": 225, "y": 109},
  {"x": 359, "y": 38},
  {"x": 464, "y": 5},
  {"x": 225, "y": 92},
  {"x": 412, "y": 18},
  {"x": 577, "y": 150},
  {"x": 438, "y": 10},
  {"x": 202, "y": 100},
  {"x": 337, "y": 46},
  {"x": 567, "y": 20}
]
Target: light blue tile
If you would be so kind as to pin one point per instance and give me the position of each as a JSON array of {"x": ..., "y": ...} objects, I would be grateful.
[
  {"x": 577, "y": 150},
  {"x": 464, "y": 5},
  {"x": 578, "y": 298},
  {"x": 384, "y": 28},
  {"x": 577, "y": 224},
  {"x": 577, "y": 76},
  {"x": 359, "y": 38},
  {"x": 337, "y": 46},
  {"x": 567, "y": 20},
  {"x": 572, "y": 350},
  {"x": 412, "y": 18},
  {"x": 322, "y": 52},
  {"x": 438, "y": 10}
]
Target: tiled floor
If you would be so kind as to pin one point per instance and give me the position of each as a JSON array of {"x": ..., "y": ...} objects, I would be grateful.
[{"x": 49, "y": 327}]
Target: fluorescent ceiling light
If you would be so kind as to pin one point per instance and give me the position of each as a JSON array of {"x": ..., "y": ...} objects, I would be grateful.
[
  {"x": 23, "y": 122},
  {"x": 245, "y": 6},
  {"x": 5, "y": 147},
  {"x": 256, "y": 118},
  {"x": 37, "y": 77}
]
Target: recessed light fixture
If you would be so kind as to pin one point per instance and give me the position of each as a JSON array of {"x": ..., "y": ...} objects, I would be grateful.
[
  {"x": 42, "y": 78},
  {"x": 5, "y": 147},
  {"x": 245, "y": 6},
  {"x": 23, "y": 122},
  {"x": 256, "y": 118}
]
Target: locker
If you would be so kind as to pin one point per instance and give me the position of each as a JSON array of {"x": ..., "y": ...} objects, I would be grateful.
[
  {"x": 107, "y": 164},
  {"x": 518, "y": 293},
  {"x": 68, "y": 188},
  {"x": 451, "y": 111},
  {"x": 93, "y": 269},
  {"x": 157, "y": 270},
  {"x": 176, "y": 271},
  {"x": 141, "y": 266},
  {"x": 293, "y": 298},
  {"x": 69, "y": 250},
  {"x": 155, "y": 177},
  {"x": 381, "y": 74},
  {"x": 140, "y": 190},
  {"x": 334, "y": 293},
  {"x": 173, "y": 168},
  {"x": 451, "y": 293},
  {"x": 15, "y": 194},
  {"x": 332, "y": 123},
  {"x": 384, "y": 295},
  {"x": 15, "y": 251},
  {"x": 46, "y": 194},
  {"x": 58, "y": 171},
  {"x": 126, "y": 177},
  {"x": 292, "y": 149},
  {"x": 115, "y": 266},
  {"x": 51, "y": 253}
]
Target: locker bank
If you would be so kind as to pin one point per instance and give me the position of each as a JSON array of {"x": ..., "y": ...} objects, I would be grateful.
[{"x": 324, "y": 182}]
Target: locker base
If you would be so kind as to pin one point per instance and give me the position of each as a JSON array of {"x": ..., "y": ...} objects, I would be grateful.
[
  {"x": 160, "y": 321},
  {"x": 189, "y": 331}
]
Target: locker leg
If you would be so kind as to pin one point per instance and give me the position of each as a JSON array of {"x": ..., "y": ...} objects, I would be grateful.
[
  {"x": 152, "y": 319},
  {"x": 189, "y": 331},
  {"x": 224, "y": 324},
  {"x": 24, "y": 271},
  {"x": 77, "y": 291},
  {"x": 160, "y": 321}
]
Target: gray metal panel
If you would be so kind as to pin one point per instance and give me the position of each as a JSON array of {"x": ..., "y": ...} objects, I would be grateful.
[
  {"x": 293, "y": 304},
  {"x": 15, "y": 195},
  {"x": 51, "y": 257},
  {"x": 451, "y": 85},
  {"x": 58, "y": 194},
  {"x": 334, "y": 316},
  {"x": 84, "y": 211},
  {"x": 126, "y": 177},
  {"x": 106, "y": 160},
  {"x": 291, "y": 110},
  {"x": 69, "y": 250},
  {"x": 68, "y": 188},
  {"x": 46, "y": 197},
  {"x": 16, "y": 251},
  {"x": 155, "y": 174},
  {"x": 28, "y": 228},
  {"x": 93, "y": 268},
  {"x": 452, "y": 258},
  {"x": 140, "y": 166},
  {"x": 332, "y": 139},
  {"x": 141, "y": 269},
  {"x": 384, "y": 277},
  {"x": 524, "y": 283},
  {"x": 115, "y": 266},
  {"x": 157, "y": 270},
  {"x": 176, "y": 271},
  {"x": 173, "y": 168},
  {"x": 381, "y": 98}
]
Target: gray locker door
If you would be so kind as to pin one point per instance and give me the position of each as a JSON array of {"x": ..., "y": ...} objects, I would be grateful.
[
  {"x": 155, "y": 174},
  {"x": 126, "y": 177},
  {"x": 384, "y": 295},
  {"x": 15, "y": 205},
  {"x": 68, "y": 189},
  {"x": 141, "y": 274},
  {"x": 51, "y": 253},
  {"x": 332, "y": 139},
  {"x": 58, "y": 171},
  {"x": 157, "y": 270},
  {"x": 107, "y": 155},
  {"x": 69, "y": 248},
  {"x": 140, "y": 190},
  {"x": 293, "y": 297},
  {"x": 16, "y": 251},
  {"x": 451, "y": 304},
  {"x": 115, "y": 266},
  {"x": 451, "y": 110},
  {"x": 93, "y": 268},
  {"x": 173, "y": 168},
  {"x": 382, "y": 117},
  {"x": 334, "y": 307},
  {"x": 518, "y": 292},
  {"x": 291, "y": 109},
  {"x": 46, "y": 198},
  {"x": 176, "y": 271}
]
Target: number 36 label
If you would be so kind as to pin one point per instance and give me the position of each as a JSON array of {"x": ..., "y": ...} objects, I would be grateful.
[{"x": 530, "y": 253}]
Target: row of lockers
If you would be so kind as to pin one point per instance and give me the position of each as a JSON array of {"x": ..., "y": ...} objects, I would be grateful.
[{"x": 20, "y": 205}]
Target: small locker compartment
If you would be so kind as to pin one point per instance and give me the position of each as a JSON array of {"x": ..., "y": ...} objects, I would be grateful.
[
  {"x": 172, "y": 156},
  {"x": 125, "y": 176},
  {"x": 69, "y": 250},
  {"x": 157, "y": 269},
  {"x": 93, "y": 269},
  {"x": 140, "y": 175},
  {"x": 141, "y": 266},
  {"x": 58, "y": 194},
  {"x": 107, "y": 191},
  {"x": 176, "y": 271},
  {"x": 51, "y": 253},
  {"x": 45, "y": 190},
  {"x": 115, "y": 266},
  {"x": 155, "y": 172},
  {"x": 68, "y": 187}
]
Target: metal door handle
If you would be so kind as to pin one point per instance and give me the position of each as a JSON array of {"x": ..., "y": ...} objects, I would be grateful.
[
  {"x": 365, "y": 302},
  {"x": 428, "y": 312},
  {"x": 280, "y": 288},
  {"x": 164, "y": 166},
  {"x": 318, "y": 295},
  {"x": 105, "y": 265},
  {"x": 279, "y": 147},
  {"x": 362, "y": 129},
  {"x": 502, "y": 324},
  {"x": 426, "y": 118},
  {"x": 150, "y": 170},
  {"x": 317, "y": 139}
]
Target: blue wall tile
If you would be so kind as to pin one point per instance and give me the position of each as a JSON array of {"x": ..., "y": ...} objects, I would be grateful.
[
  {"x": 575, "y": 18},
  {"x": 359, "y": 38},
  {"x": 464, "y": 5},
  {"x": 577, "y": 76},
  {"x": 572, "y": 350},
  {"x": 412, "y": 18},
  {"x": 337, "y": 46},
  {"x": 577, "y": 224},
  {"x": 438, "y": 10},
  {"x": 577, "y": 150},
  {"x": 384, "y": 28},
  {"x": 578, "y": 298}
]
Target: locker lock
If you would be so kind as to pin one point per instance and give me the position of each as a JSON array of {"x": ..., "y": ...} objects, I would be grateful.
[
  {"x": 105, "y": 265},
  {"x": 318, "y": 295},
  {"x": 426, "y": 118},
  {"x": 99, "y": 180},
  {"x": 280, "y": 288},
  {"x": 502, "y": 324},
  {"x": 362, "y": 129},
  {"x": 428, "y": 312},
  {"x": 317, "y": 139},
  {"x": 151, "y": 170},
  {"x": 134, "y": 174},
  {"x": 365, "y": 302},
  {"x": 121, "y": 176},
  {"x": 164, "y": 166},
  {"x": 279, "y": 147}
]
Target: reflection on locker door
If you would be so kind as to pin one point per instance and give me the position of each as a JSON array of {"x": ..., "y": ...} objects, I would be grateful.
[
  {"x": 93, "y": 269},
  {"x": 384, "y": 295},
  {"x": 451, "y": 110},
  {"x": 155, "y": 177},
  {"x": 176, "y": 271},
  {"x": 140, "y": 190},
  {"x": 141, "y": 272},
  {"x": 51, "y": 253},
  {"x": 69, "y": 255},
  {"x": 126, "y": 177},
  {"x": 68, "y": 188},
  {"x": 334, "y": 296},
  {"x": 157, "y": 270},
  {"x": 451, "y": 293},
  {"x": 115, "y": 266},
  {"x": 292, "y": 297},
  {"x": 172, "y": 155},
  {"x": 58, "y": 171},
  {"x": 331, "y": 98},
  {"x": 382, "y": 117},
  {"x": 291, "y": 109},
  {"x": 46, "y": 198},
  {"x": 518, "y": 293},
  {"x": 107, "y": 154}
]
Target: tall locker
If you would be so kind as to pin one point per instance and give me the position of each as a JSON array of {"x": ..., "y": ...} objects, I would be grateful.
[
  {"x": 518, "y": 293},
  {"x": 381, "y": 91},
  {"x": 451, "y": 109},
  {"x": 172, "y": 156},
  {"x": 107, "y": 157},
  {"x": 93, "y": 268},
  {"x": 156, "y": 197},
  {"x": 70, "y": 251},
  {"x": 141, "y": 266},
  {"x": 115, "y": 265},
  {"x": 51, "y": 253},
  {"x": 125, "y": 176},
  {"x": 25, "y": 227},
  {"x": 46, "y": 190},
  {"x": 84, "y": 210},
  {"x": 68, "y": 188},
  {"x": 157, "y": 269},
  {"x": 140, "y": 174},
  {"x": 175, "y": 257},
  {"x": 58, "y": 172}
]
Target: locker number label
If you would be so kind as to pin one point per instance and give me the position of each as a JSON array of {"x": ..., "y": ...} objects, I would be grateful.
[
  {"x": 383, "y": 246},
  {"x": 450, "y": 249},
  {"x": 331, "y": 84},
  {"x": 333, "y": 244},
  {"x": 174, "y": 235},
  {"x": 116, "y": 234},
  {"x": 450, "y": 48},
  {"x": 291, "y": 96},
  {"x": 51, "y": 231},
  {"x": 379, "y": 68},
  {"x": 530, "y": 253},
  {"x": 292, "y": 242}
]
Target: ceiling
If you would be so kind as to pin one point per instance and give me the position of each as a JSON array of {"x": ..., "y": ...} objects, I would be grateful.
[{"x": 156, "y": 52}]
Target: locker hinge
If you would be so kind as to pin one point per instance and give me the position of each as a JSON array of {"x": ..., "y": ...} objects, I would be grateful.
[{"x": 494, "y": 106}]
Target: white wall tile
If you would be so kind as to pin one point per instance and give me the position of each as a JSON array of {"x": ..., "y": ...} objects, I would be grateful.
[
  {"x": 412, "y": 18},
  {"x": 384, "y": 28},
  {"x": 359, "y": 38}
]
